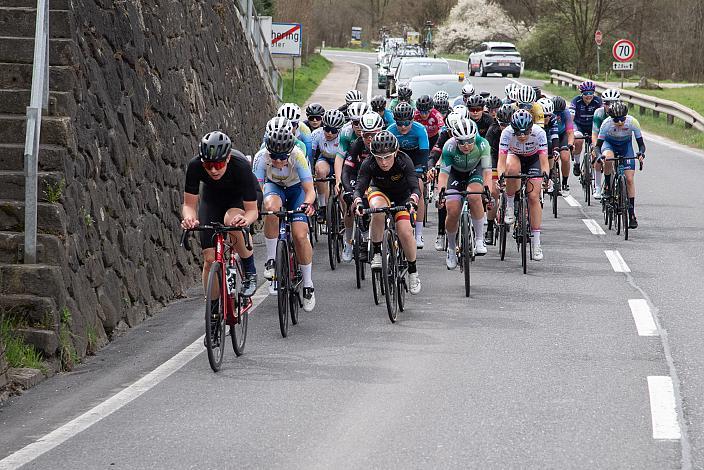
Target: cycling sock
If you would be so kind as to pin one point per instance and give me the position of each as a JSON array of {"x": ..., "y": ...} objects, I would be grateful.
[
  {"x": 271, "y": 248},
  {"x": 478, "y": 225},
  {"x": 490, "y": 225},
  {"x": 564, "y": 180},
  {"x": 632, "y": 206},
  {"x": 536, "y": 237},
  {"x": 510, "y": 200},
  {"x": 607, "y": 181},
  {"x": 348, "y": 235},
  {"x": 412, "y": 267},
  {"x": 597, "y": 179},
  {"x": 419, "y": 229},
  {"x": 376, "y": 247},
  {"x": 321, "y": 200},
  {"x": 442, "y": 215},
  {"x": 307, "y": 270},
  {"x": 248, "y": 265},
  {"x": 452, "y": 241}
]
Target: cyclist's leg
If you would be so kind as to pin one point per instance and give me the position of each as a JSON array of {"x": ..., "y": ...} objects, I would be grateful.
[
  {"x": 377, "y": 200},
  {"x": 246, "y": 255},
  {"x": 476, "y": 206},
  {"x": 607, "y": 152},
  {"x": 453, "y": 204},
  {"x": 322, "y": 170},
  {"x": 578, "y": 143},
  {"x": 421, "y": 210},
  {"x": 274, "y": 197},
  {"x": 531, "y": 166},
  {"x": 565, "y": 163},
  {"x": 208, "y": 212},
  {"x": 513, "y": 168},
  {"x": 629, "y": 173}
]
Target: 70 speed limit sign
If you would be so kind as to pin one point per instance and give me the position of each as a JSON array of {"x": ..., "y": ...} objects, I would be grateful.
[{"x": 623, "y": 50}]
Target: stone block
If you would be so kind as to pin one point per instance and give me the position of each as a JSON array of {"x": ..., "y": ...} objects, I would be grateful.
[
  {"x": 50, "y": 248},
  {"x": 19, "y": 22},
  {"x": 51, "y": 218},
  {"x": 21, "y": 51},
  {"x": 44, "y": 341},
  {"x": 12, "y": 184},
  {"x": 55, "y": 130},
  {"x": 33, "y": 309},
  {"x": 51, "y": 157},
  {"x": 33, "y": 279},
  {"x": 15, "y": 101},
  {"x": 19, "y": 77},
  {"x": 25, "y": 377},
  {"x": 53, "y": 4}
]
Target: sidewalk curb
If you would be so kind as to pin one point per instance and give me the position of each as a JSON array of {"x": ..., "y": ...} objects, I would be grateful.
[{"x": 359, "y": 74}]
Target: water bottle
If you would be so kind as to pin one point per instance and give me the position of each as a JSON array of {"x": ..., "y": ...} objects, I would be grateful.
[{"x": 231, "y": 278}]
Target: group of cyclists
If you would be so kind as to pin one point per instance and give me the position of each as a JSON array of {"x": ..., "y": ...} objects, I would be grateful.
[{"x": 387, "y": 154}]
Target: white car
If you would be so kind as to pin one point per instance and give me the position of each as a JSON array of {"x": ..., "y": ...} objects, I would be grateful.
[{"x": 495, "y": 57}]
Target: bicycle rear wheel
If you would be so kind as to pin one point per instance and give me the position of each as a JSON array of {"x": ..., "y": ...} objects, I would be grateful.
[
  {"x": 465, "y": 250},
  {"x": 294, "y": 294},
  {"x": 238, "y": 329},
  {"x": 331, "y": 216},
  {"x": 402, "y": 281},
  {"x": 587, "y": 176},
  {"x": 357, "y": 253},
  {"x": 523, "y": 227},
  {"x": 624, "y": 207},
  {"x": 215, "y": 324},
  {"x": 376, "y": 285},
  {"x": 283, "y": 284},
  {"x": 618, "y": 206},
  {"x": 388, "y": 275}
]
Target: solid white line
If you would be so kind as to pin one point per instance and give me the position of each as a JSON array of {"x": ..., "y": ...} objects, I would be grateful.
[
  {"x": 662, "y": 408},
  {"x": 569, "y": 199},
  {"x": 643, "y": 317},
  {"x": 81, "y": 423},
  {"x": 593, "y": 227},
  {"x": 369, "y": 82},
  {"x": 617, "y": 261}
]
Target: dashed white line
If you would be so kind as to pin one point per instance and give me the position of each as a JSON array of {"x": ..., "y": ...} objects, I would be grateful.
[
  {"x": 571, "y": 201},
  {"x": 593, "y": 226},
  {"x": 662, "y": 408},
  {"x": 81, "y": 423},
  {"x": 617, "y": 261},
  {"x": 643, "y": 317}
]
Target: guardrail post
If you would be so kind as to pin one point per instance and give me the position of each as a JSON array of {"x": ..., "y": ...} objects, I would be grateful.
[
  {"x": 641, "y": 110},
  {"x": 670, "y": 119},
  {"x": 687, "y": 125},
  {"x": 656, "y": 114}
]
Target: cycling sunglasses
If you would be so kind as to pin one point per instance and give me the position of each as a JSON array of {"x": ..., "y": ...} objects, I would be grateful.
[
  {"x": 476, "y": 110},
  {"x": 279, "y": 155},
  {"x": 385, "y": 156},
  {"x": 403, "y": 123},
  {"x": 214, "y": 165},
  {"x": 619, "y": 119},
  {"x": 331, "y": 130},
  {"x": 588, "y": 93},
  {"x": 369, "y": 135},
  {"x": 525, "y": 106},
  {"x": 468, "y": 141},
  {"x": 522, "y": 133},
  {"x": 315, "y": 118}
]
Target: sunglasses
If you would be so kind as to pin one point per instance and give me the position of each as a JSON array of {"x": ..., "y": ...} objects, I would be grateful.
[
  {"x": 331, "y": 130},
  {"x": 619, "y": 119},
  {"x": 356, "y": 124},
  {"x": 368, "y": 135},
  {"x": 279, "y": 156},
  {"x": 385, "y": 157},
  {"x": 522, "y": 133},
  {"x": 588, "y": 93},
  {"x": 465, "y": 141},
  {"x": 476, "y": 110},
  {"x": 315, "y": 118},
  {"x": 423, "y": 111},
  {"x": 403, "y": 123},
  {"x": 214, "y": 165},
  {"x": 525, "y": 106}
]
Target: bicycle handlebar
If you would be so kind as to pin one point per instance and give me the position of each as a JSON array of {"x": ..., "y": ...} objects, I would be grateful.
[
  {"x": 619, "y": 158},
  {"x": 387, "y": 210},
  {"x": 216, "y": 227},
  {"x": 324, "y": 180},
  {"x": 485, "y": 192}
]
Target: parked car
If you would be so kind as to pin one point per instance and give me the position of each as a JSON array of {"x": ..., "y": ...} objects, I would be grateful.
[
  {"x": 431, "y": 84},
  {"x": 495, "y": 57},
  {"x": 382, "y": 69},
  {"x": 393, "y": 60},
  {"x": 409, "y": 67}
]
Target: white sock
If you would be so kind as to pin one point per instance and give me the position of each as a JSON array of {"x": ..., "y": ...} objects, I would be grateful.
[
  {"x": 478, "y": 225},
  {"x": 271, "y": 248},
  {"x": 451, "y": 241},
  {"x": 484, "y": 220},
  {"x": 307, "y": 270},
  {"x": 536, "y": 237},
  {"x": 509, "y": 200},
  {"x": 597, "y": 179},
  {"x": 321, "y": 200},
  {"x": 419, "y": 229}
]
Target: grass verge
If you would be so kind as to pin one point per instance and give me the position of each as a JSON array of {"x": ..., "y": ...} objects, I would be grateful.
[
  {"x": 17, "y": 352},
  {"x": 308, "y": 77},
  {"x": 535, "y": 74},
  {"x": 692, "y": 97},
  {"x": 656, "y": 125}
]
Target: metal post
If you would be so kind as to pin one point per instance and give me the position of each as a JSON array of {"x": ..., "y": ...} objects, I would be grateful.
[
  {"x": 39, "y": 99},
  {"x": 598, "y": 62},
  {"x": 293, "y": 70},
  {"x": 622, "y": 73},
  {"x": 249, "y": 18}
]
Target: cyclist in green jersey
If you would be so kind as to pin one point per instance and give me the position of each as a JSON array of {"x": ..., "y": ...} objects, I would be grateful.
[{"x": 404, "y": 94}]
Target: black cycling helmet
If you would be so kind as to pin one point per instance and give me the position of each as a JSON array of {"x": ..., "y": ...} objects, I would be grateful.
[
  {"x": 424, "y": 104},
  {"x": 538, "y": 92},
  {"x": 315, "y": 109},
  {"x": 475, "y": 101},
  {"x": 383, "y": 143},
  {"x": 504, "y": 113},
  {"x": 215, "y": 146},
  {"x": 484, "y": 94},
  {"x": 404, "y": 93},
  {"x": 521, "y": 121},
  {"x": 441, "y": 104},
  {"x": 618, "y": 109},
  {"x": 560, "y": 104},
  {"x": 493, "y": 102},
  {"x": 279, "y": 135},
  {"x": 378, "y": 103},
  {"x": 403, "y": 112}
]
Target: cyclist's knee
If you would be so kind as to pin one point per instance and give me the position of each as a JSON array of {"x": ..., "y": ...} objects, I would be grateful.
[{"x": 208, "y": 257}]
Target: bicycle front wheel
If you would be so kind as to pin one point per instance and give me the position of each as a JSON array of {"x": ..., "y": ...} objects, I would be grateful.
[
  {"x": 625, "y": 203},
  {"x": 389, "y": 274},
  {"x": 357, "y": 254},
  {"x": 503, "y": 228},
  {"x": 283, "y": 285},
  {"x": 331, "y": 216},
  {"x": 523, "y": 224},
  {"x": 215, "y": 320},
  {"x": 465, "y": 250}
]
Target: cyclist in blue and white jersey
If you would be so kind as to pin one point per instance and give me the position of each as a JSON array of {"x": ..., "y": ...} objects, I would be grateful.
[
  {"x": 607, "y": 97},
  {"x": 523, "y": 148},
  {"x": 326, "y": 149},
  {"x": 413, "y": 141},
  {"x": 616, "y": 137},
  {"x": 292, "y": 112},
  {"x": 583, "y": 107},
  {"x": 551, "y": 131},
  {"x": 378, "y": 104},
  {"x": 283, "y": 172},
  {"x": 467, "y": 91},
  {"x": 565, "y": 135}
]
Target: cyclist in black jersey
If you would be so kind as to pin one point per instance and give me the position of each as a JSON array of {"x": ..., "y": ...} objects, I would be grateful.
[
  {"x": 314, "y": 113},
  {"x": 493, "y": 136},
  {"x": 475, "y": 105},
  {"x": 386, "y": 180},
  {"x": 229, "y": 196}
]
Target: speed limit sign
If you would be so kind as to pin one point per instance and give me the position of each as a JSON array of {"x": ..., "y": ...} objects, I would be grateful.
[{"x": 623, "y": 50}]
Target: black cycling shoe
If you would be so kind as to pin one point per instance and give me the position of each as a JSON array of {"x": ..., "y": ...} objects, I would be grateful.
[
  {"x": 632, "y": 222},
  {"x": 576, "y": 171},
  {"x": 566, "y": 187},
  {"x": 249, "y": 285},
  {"x": 489, "y": 237}
]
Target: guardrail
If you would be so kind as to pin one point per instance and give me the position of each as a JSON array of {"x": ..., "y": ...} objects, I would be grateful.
[
  {"x": 259, "y": 45},
  {"x": 671, "y": 109},
  {"x": 39, "y": 101}
]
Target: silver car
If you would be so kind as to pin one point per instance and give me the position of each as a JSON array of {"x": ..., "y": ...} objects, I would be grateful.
[
  {"x": 495, "y": 57},
  {"x": 409, "y": 67}
]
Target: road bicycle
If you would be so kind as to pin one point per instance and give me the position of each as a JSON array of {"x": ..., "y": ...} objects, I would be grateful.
[
  {"x": 391, "y": 281},
  {"x": 334, "y": 225},
  {"x": 224, "y": 287},
  {"x": 288, "y": 278},
  {"x": 465, "y": 234},
  {"x": 586, "y": 176},
  {"x": 360, "y": 248},
  {"x": 555, "y": 177},
  {"x": 521, "y": 227},
  {"x": 502, "y": 228},
  {"x": 615, "y": 206}
]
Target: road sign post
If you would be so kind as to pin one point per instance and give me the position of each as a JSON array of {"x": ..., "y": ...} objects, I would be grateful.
[{"x": 598, "y": 38}]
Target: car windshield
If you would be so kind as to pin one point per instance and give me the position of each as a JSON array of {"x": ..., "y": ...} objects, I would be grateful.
[
  {"x": 424, "y": 68},
  {"x": 430, "y": 87}
]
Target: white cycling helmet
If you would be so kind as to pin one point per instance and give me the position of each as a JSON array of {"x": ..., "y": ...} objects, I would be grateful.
[
  {"x": 440, "y": 95},
  {"x": 461, "y": 110},
  {"x": 356, "y": 110},
  {"x": 525, "y": 94},
  {"x": 290, "y": 111},
  {"x": 467, "y": 89},
  {"x": 508, "y": 89},
  {"x": 610, "y": 95},
  {"x": 353, "y": 96},
  {"x": 451, "y": 118},
  {"x": 371, "y": 122},
  {"x": 464, "y": 128},
  {"x": 547, "y": 105}
]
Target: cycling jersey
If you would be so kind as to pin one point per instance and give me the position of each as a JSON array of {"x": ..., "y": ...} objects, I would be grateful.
[
  {"x": 536, "y": 111},
  {"x": 619, "y": 139},
  {"x": 397, "y": 184},
  {"x": 347, "y": 137},
  {"x": 537, "y": 142},
  {"x": 598, "y": 120},
  {"x": 458, "y": 101},
  {"x": 583, "y": 113},
  {"x": 323, "y": 148},
  {"x": 303, "y": 134},
  {"x": 552, "y": 133},
  {"x": 484, "y": 123},
  {"x": 444, "y": 136},
  {"x": 295, "y": 172},
  {"x": 357, "y": 155},
  {"x": 454, "y": 159},
  {"x": 493, "y": 136},
  {"x": 432, "y": 124},
  {"x": 414, "y": 142},
  {"x": 388, "y": 117},
  {"x": 394, "y": 102}
]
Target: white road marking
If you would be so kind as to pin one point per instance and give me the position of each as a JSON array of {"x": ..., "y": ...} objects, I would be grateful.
[
  {"x": 643, "y": 317},
  {"x": 617, "y": 261},
  {"x": 593, "y": 226},
  {"x": 571, "y": 201},
  {"x": 125, "y": 396},
  {"x": 662, "y": 408},
  {"x": 369, "y": 82}
]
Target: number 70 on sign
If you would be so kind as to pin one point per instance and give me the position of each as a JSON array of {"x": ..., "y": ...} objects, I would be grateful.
[{"x": 623, "y": 50}]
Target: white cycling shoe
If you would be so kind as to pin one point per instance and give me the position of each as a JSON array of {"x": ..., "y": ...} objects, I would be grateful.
[
  {"x": 597, "y": 194},
  {"x": 347, "y": 252},
  {"x": 376, "y": 261},
  {"x": 269, "y": 269},
  {"x": 451, "y": 259},
  {"x": 414, "y": 281},
  {"x": 480, "y": 248},
  {"x": 308, "y": 299},
  {"x": 419, "y": 242},
  {"x": 509, "y": 218},
  {"x": 537, "y": 253},
  {"x": 440, "y": 243}
]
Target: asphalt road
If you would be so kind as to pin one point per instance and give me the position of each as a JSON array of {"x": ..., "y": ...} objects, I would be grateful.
[{"x": 544, "y": 370}]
